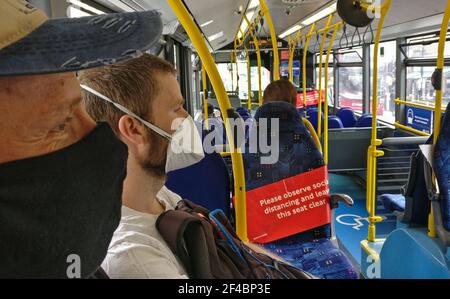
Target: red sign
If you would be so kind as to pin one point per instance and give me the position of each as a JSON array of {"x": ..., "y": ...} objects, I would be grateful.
[
  {"x": 312, "y": 98},
  {"x": 284, "y": 55},
  {"x": 288, "y": 207}
]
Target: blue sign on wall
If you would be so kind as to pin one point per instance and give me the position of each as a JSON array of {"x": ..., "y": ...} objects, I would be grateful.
[
  {"x": 284, "y": 68},
  {"x": 419, "y": 119}
]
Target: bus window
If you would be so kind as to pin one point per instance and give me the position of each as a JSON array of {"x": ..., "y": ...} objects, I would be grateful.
[
  {"x": 330, "y": 76},
  {"x": 418, "y": 78},
  {"x": 351, "y": 88},
  {"x": 386, "y": 80},
  {"x": 350, "y": 70}
]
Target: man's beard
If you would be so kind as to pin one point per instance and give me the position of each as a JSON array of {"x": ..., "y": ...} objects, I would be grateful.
[{"x": 155, "y": 161}]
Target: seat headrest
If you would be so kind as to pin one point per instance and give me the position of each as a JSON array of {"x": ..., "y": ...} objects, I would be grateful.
[
  {"x": 282, "y": 110},
  {"x": 441, "y": 160}
]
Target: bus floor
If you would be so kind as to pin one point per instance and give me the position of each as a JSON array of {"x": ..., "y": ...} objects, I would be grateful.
[{"x": 350, "y": 223}]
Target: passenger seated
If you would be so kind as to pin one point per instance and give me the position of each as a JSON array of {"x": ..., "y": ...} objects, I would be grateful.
[
  {"x": 148, "y": 87},
  {"x": 280, "y": 91},
  {"x": 142, "y": 102},
  {"x": 61, "y": 173}
]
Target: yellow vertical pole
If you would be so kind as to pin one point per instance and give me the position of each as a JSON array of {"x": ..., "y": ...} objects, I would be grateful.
[
  {"x": 231, "y": 71},
  {"x": 205, "y": 98},
  {"x": 305, "y": 53},
  {"x": 373, "y": 152},
  {"x": 292, "y": 47},
  {"x": 249, "y": 83},
  {"x": 438, "y": 103},
  {"x": 327, "y": 63},
  {"x": 236, "y": 155},
  {"x": 291, "y": 59},
  {"x": 258, "y": 58},
  {"x": 237, "y": 67},
  {"x": 319, "y": 105},
  {"x": 273, "y": 36}
]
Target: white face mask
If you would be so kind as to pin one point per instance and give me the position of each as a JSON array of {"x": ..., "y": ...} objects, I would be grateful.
[{"x": 185, "y": 147}]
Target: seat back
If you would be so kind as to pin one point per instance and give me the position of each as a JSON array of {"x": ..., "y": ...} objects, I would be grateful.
[
  {"x": 244, "y": 113},
  {"x": 365, "y": 121},
  {"x": 334, "y": 122},
  {"x": 298, "y": 154},
  {"x": 215, "y": 130},
  {"x": 442, "y": 169},
  {"x": 348, "y": 117},
  {"x": 206, "y": 183},
  {"x": 313, "y": 117}
]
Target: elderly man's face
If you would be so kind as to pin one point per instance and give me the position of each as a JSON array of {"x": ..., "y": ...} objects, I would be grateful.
[{"x": 40, "y": 114}]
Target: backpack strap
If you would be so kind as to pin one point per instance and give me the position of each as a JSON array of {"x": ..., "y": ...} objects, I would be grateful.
[{"x": 185, "y": 236}]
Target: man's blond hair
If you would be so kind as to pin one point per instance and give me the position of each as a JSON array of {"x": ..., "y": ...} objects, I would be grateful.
[{"x": 133, "y": 84}]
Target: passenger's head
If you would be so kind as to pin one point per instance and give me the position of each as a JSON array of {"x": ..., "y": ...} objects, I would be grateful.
[
  {"x": 52, "y": 153},
  {"x": 40, "y": 99},
  {"x": 40, "y": 114},
  {"x": 209, "y": 109},
  {"x": 280, "y": 91},
  {"x": 148, "y": 87}
]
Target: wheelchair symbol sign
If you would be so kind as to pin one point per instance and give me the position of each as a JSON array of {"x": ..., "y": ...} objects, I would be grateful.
[{"x": 355, "y": 221}]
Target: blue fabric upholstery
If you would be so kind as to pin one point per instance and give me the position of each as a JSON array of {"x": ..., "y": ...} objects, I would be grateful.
[
  {"x": 319, "y": 257},
  {"x": 442, "y": 168},
  {"x": 311, "y": 250},
  {"x": 365, "y": 121},
  {"x": 313, "y": 116},
  {"x": 347, "y": 117},
  {"x": 206, "y": 183},
  {"x": 334, "y": 122},
  {"x": 393, "y": 202},
  {"x": 217, "y": 128},
  {"x": 244, "y": 113}
]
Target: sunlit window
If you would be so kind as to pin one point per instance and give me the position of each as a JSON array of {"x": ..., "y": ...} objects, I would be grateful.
[{"x": 386, "y": 80}]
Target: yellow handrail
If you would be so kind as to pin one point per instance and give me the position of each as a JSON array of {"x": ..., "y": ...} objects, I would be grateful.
[
  {"x": 412, "y": 104},
  {"x": 409, "y": 129},
  {"x": 313, "y": 133},
  {"x": 258, "y": 58},
  {"x": 327, "y": 63},
  {"x": 250, "y": 26},
  {"x": 305, "y": 52},
  {"x": 205, "y": 99},
  {"x": 236, "y": 156},
  {"x": 373, "y": 153},
  {"x": 237, "y": 66},
  {"x": 438, "y": 103},
  {"x": 231, "y": 70},
  {"x": 319, "y": 104},
  {"x": 249, "y": 84},
  {"x": 292, "y": 46},
  {"x": 273, "y": 37}
]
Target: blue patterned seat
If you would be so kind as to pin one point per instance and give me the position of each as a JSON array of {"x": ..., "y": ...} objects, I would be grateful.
[
  {"x": 393, "y": 202},
  {"x": 206, "y": 183},
  {"x": 365, "y": 121},
  {"x": 312, "y": 250},
  {"x": 413, "y": 204},
  {"x": 442, "y": 170},
  {"x": 347, "y": 116},
  {"x": 334, "y": 122}
]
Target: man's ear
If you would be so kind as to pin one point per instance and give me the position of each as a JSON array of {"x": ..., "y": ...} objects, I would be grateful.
[{"x": 132, "y": 131}]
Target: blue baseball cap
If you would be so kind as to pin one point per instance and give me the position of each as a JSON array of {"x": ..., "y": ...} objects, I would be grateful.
[{"x": 30, "y": 43}]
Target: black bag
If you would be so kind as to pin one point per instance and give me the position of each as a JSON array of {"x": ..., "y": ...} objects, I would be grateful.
[{"x": 208, "y": 247}]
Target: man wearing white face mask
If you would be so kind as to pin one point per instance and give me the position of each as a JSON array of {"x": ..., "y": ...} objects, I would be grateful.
[{"x": 142, "y": 102}]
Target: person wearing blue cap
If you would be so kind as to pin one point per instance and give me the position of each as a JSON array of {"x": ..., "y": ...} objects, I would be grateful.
[{"x": 61, "y": 173}]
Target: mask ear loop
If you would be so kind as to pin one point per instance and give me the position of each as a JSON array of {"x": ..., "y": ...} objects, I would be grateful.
[{"x": 126, "y": 111}]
